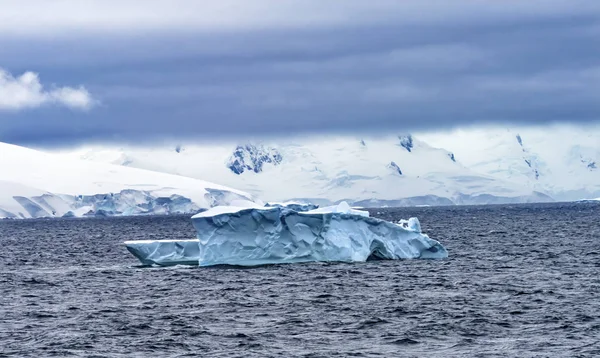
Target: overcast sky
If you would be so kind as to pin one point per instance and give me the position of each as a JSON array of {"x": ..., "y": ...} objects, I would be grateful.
[{"x": 129, "y": 70}]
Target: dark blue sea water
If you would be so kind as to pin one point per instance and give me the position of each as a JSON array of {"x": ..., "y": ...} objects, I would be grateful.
[{"x": 521, "y": 281}]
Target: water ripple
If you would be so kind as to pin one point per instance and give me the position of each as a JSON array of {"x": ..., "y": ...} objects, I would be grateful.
[{"x": 521, "y": 280}]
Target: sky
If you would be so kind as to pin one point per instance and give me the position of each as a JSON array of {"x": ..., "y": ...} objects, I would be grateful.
[{"x": 77, "y": 71}]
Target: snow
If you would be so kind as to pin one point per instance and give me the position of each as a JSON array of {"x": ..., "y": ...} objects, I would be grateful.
[
  {"x": 329, "y": 170},
  {"x": 38, "y": 184},
  {"x": 341, "y": 208},
  {"x": 565, "y": 158},
  {"x": 223, "y": 210},
  {"x": 463, "y": 166},
  {"x": 272, "y": 235}
]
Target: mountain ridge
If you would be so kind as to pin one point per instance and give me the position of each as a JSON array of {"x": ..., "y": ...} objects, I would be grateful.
[
  {"x": 393, "y": 170},
  {"x": 36, "y": 184}
]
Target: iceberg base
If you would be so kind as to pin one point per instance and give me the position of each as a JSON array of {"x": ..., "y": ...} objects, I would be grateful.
[{"x": 165, "y": 252}]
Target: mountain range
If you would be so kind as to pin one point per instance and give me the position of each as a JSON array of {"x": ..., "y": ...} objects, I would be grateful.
[
  {"x": 466, "y": 166},
  {"x": 469, "y": 166}
]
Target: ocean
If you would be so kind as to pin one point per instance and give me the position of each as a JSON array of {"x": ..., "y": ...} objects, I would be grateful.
[{"x": 520, "y": 281}]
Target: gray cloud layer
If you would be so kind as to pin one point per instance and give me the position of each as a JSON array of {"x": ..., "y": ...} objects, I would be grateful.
[{"x": 277, "y": 68}]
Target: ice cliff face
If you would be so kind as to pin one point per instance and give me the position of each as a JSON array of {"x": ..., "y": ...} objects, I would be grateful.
[
  {"x": 265, "y": 236},
  {"x": 270, "y": 235},
  {"x": 124, "y": 203},
  {"x": 252, "y": 158}
]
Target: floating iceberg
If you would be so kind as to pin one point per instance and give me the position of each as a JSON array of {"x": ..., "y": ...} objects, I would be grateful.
[
  {"x": 294, "y": 205},
  {"x": 252, "y": 235},
  {"x": 165, "y": 252}
]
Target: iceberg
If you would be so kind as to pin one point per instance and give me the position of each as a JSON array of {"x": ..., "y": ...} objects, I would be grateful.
[
  {"x": 252, "y": 235},
  {"x": 294, "y": 205},
  {"x": 165, "y": 252}
]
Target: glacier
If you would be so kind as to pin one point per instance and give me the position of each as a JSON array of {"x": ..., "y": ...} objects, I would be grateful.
[
  {"x": 254, "y": 235},
  {"x": 36, "y": 184},
  {"x": 368, "y": 171}
]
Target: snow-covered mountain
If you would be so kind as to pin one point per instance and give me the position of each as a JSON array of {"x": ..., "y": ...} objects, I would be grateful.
[
  {"x": 561, "y": 161},
  {"x": 37, "y": 184},
  {"x": 476, "y": 166},
  {"x": 396, "y": 170}
]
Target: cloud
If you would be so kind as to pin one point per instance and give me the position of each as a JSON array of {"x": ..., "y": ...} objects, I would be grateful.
[
  {"x": 62, "y": 17},
  {"x": 237, "y": 68},
  {"x": 26, "y": 91}
]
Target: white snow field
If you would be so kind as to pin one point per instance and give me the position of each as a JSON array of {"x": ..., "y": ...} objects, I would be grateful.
[
  {"x": 368, "y": 172},
  {"x": 248, "y": 236},
  {"x": 476, "y": 166},
  {"x": 562, "y": 161},
  {"x": 35, "y": 184}
]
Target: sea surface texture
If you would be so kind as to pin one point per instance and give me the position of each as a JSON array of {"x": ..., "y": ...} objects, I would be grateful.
[{"x": 521, "y": 281}]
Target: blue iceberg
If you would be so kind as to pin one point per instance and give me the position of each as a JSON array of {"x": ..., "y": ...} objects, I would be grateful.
[{"x": 250, "y": 235}]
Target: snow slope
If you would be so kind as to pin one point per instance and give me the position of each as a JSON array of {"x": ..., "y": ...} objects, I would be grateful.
[
  {"x": 38, "y": 184},
  {"x": 562, "y": 161},
  {"x": 394, "y": 170}
]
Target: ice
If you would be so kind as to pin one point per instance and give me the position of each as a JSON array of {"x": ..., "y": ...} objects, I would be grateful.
[
  {"x": 412, "y": 224},
  {"x": 295, "y": 205},
  {"x": 597, "y": 200},
  {"x": 249, "y": 236},
  {"x": 35, "y": 184},
  {"x": 165, "y": 252},
  {"x": 341, "y": 208},
  {"x": 124, "y": 203}
]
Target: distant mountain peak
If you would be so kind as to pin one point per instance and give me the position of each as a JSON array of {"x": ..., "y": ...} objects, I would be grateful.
[
  {"x": 251, "y": 157},
  {"x": 491, "y": 165},
  {"x": 589, "y": 163},
  {"x": 395, "y": 167},
  {"x": 406, "y": 141}
]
